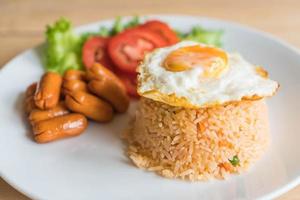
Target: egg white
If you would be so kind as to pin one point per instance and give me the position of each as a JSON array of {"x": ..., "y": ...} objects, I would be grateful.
[{"x": 188, "y": 88}]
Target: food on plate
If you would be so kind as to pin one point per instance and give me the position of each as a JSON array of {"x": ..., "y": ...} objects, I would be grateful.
[
  {"x": 101, "y": 63},
  {"x": 70, "y": 86},
  {"x": 90, "y": 106},
  {"x": 37, "y": 115},
  {"x": 76, "y": 99},
  {"x": 189, "y": 57},
  {"x": 63, "y": 50},
  {"x": 193, "y": 75},
  {"x": 29, "y": 103},
  {"x": 95, "y": 51},
  {"x": 99, "y": 72},
  {"x": 74, "y": 80},
  {"x": 48, "y": 91},
  {"x": 202, "y": 112},
  {"x": 119, "y": 48},
  {"x": 205, "y": 36},
  {"x": 130, "y": 83},
  {"x": 59, "y": 127},
  {"x": 119, "y": 26},
  {"x": 127, "y": 49},
  {"x": 73, "y": 74},
  {"x": 162, "y": 30},
  {"x": 113, "y": 94},
  {"x": 30, "y": 91},
  {"x": 108, "y": 86}
]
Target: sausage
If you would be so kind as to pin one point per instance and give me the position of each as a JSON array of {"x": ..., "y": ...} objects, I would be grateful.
[
  {"x": 108, "y": 86},
  {"x": 109, "y": 91},
  {"x": 31, "y": 90},
  {"x": 73, "y": 74},
  {"x": 90, "y": 106},
  {"x": 99, "y": 72},
  {"x": 37, "y": 115},
  {"x": 48, "y": 91},
  {"x": 29, "y": 103},
  {"x": 73, "y": 85},
  {"x": 59, "y": 127}
]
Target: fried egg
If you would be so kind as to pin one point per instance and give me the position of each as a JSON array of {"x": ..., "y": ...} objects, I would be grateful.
[{"x": 194, "y": 75}]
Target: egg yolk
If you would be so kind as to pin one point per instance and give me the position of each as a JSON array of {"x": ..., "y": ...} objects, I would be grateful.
[{"x": 213, "y": 61}]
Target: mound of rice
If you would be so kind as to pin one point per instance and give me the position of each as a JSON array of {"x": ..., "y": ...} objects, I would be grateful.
[{"x": 198, "y": 144}]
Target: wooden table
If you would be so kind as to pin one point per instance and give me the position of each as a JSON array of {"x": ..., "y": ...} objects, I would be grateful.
[{"x": 22, "y": 25}]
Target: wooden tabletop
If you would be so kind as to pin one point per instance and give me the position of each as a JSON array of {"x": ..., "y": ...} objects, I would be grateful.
[{"x": 22, "y": 25}]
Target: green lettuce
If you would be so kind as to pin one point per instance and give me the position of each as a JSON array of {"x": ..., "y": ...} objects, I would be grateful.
[
  {"x": 119, "y": 26},
  {"x": 199, "y": 34},
  {"x": 63, "y": 49}
]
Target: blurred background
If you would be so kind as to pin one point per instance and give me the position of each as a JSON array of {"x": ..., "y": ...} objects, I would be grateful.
[{"x": 22, "y": 25}]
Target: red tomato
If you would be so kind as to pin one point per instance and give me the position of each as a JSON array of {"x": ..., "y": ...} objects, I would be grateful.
[
  {"x": 95, "y": 51},
  {"x": 163, "y": 30},
  {"x": 130, "y": 82},
  {"x": 127, "y": 49}
]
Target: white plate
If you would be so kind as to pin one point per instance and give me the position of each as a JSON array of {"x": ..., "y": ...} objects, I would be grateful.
[{"x": 94, "y": 166}]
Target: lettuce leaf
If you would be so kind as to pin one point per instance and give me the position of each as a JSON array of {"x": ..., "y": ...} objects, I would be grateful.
[
  {"x": 119, "y": 26},
  {"x": 199, "y": 34},
  {"x": 63, "y": 49}
]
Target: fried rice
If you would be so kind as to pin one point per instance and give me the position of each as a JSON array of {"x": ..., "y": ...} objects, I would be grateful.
[{"x": 198, "y": 144}]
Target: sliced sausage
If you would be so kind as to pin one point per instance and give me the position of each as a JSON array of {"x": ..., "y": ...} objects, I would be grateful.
[
  {"x": 99, "y": 72},
  {"x": 30, "y": 91},
  {"x": 70, "y": 86},
  {"x": 37, "y": 115},
  {"x": 48, "y": 91},
  {"x": 90, "y": 106},
  {"x": 73, "y": 74},
  {"x": 108, "y": 86},
  {"x": 59, "y": 127},
  {"x": 29, "y": 103}
]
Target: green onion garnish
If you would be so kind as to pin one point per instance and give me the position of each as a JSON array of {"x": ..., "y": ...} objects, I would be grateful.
[{"x": 235, "y": 160}]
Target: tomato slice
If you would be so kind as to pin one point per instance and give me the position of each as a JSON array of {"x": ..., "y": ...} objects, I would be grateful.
[
  {"x": 128, "y": 48},
  {"x": 130, "y": 82},
  {"x": 163, "y": 30},
  {"x": 95, "y": 51}
]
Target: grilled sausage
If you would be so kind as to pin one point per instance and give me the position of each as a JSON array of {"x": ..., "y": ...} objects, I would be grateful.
[
  {"x": 108, "y": 86},
  {"x": 37, "y": 115},
  {"x": 90, "y": 106},
  {"x": 73, "y": 85},
  {"x": 29, "y": 103},
  {"x": 59, "y": 127},
  {"x": 48, "y": 91}
]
